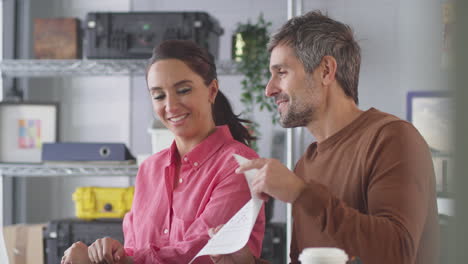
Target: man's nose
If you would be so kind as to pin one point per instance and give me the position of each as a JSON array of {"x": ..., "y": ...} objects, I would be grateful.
[{"x": 271, "y": 89}]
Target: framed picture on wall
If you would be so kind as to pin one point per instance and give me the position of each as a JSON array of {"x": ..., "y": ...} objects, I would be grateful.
[
  {"x": 432, "y": 114},
  {"x": 24, "y": 128}
]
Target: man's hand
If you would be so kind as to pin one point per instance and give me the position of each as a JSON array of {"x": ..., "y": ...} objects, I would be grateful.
[
  {"x": 273, "y": 179},
  {"x": 107, "y": 250},
  {"x": 76, "y": 254},
  {"x": 243, "y": 256}
]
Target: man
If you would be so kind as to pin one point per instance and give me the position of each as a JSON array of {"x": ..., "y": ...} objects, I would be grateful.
[{"x": 367, "y": 185}]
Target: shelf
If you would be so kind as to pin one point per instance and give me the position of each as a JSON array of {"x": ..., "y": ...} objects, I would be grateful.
[
  {"x": 56, "y": 68},
  {"x": 33, "y": 170}
]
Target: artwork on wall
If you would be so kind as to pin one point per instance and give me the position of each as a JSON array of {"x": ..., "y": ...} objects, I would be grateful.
[
  {"x": 25, "y": 127},
  {"x": 432, "y": 114}
]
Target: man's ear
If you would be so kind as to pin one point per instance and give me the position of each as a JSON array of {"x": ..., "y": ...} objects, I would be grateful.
[
  {"x": 328, "y": 72},
  {"x": 214, "y": 87}
]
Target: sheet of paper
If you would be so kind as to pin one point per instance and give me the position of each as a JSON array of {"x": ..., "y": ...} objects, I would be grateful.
[{"x": 235, "y": 234}]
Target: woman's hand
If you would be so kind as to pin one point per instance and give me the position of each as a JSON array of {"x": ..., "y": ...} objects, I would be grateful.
[
  {"x": 107, "y": 250},
  {"x": 76, "y": 254}
]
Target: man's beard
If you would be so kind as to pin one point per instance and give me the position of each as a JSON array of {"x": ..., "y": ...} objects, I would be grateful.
[{"x": 296, "y": 115}]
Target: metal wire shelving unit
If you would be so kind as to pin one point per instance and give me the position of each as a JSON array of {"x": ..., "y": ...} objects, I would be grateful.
[
  {"x": 46, "y": 170},
  {"x": 85, "y": 67}
]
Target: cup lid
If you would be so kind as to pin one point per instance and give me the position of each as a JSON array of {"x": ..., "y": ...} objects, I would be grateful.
[{"x": 323, "y": 254}]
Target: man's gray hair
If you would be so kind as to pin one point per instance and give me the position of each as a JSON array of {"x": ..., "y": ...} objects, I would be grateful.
[{"x": 315, "y": 35}]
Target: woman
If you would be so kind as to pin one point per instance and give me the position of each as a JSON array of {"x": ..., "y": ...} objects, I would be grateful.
[{"x": 184, "y": 190}]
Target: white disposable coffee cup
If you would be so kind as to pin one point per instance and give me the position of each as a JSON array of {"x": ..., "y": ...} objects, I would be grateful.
[{"x": 323, "y": 255}]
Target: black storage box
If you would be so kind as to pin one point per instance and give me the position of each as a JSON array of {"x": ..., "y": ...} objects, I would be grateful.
[
  {"x": 61, "y": 234},
  {"x": 133, "y": 35}
]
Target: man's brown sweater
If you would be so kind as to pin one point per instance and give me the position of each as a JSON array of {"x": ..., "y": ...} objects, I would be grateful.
[{"x": 371, "y": 192}]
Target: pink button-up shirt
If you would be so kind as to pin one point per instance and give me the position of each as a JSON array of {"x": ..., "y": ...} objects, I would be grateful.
[{"x": 171, "y": 226}]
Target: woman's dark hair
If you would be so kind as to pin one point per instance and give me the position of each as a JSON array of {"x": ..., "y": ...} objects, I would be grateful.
[{"x": 202, "y": 63}]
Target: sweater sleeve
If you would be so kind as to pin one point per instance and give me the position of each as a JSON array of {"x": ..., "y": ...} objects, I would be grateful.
[
  {"x": 398, "y": 195},
  {"x": 294, "y": 251}
]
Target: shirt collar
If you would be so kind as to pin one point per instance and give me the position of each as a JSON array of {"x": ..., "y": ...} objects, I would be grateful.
[{"x": 204, "y": 150}]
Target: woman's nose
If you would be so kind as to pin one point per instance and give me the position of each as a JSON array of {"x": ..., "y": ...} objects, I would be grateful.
[{"x": 172, "y": 103}]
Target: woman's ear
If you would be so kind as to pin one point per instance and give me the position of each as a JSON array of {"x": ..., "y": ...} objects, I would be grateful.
[{"x": 213, "y": 91}]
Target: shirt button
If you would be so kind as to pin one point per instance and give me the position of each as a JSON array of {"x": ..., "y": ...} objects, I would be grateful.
[
  {"x": 195, "y": 164},
  {"x": 180, "y": 180},
  {"x": 166, "y": 231},
  {"x": 185, "y": 159}
]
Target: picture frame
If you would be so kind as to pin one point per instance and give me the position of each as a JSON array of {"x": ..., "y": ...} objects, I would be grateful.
[
  {"x": 432, "y": 113},
  {"x": 24, "y": 128}
]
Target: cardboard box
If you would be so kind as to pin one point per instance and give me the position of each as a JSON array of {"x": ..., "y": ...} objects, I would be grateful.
[
  {"x": 57, "y": 38},
  {"x": 24, "y": 243}
]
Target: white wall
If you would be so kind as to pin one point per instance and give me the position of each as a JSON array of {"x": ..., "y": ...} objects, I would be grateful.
[{"x": 401, "y": 47}]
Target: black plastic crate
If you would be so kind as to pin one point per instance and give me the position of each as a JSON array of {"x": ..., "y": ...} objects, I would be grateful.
[
  {"x": 61, "y": 234},
  {"x": 133, "y": 35}
]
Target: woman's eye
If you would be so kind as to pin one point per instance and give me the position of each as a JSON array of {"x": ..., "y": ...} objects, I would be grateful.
[
  {"x": 158, "y": 97},
  {"x": 184, "y": 90}
]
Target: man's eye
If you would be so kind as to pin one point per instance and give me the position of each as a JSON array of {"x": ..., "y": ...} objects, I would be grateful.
[{"x": 281, "y": 73}]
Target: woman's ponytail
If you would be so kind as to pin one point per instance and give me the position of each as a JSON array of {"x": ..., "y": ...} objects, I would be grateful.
[{"x": 223, "y": 115}]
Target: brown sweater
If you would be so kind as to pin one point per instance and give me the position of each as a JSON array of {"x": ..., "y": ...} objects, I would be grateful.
[{"x": 371, "y": 192}]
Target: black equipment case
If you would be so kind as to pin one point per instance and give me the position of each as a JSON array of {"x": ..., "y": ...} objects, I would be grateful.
[
  {"x": 61, "y": 234},
  {"x": 274, "y": 243},
  {"x": 133, "y": 35}
]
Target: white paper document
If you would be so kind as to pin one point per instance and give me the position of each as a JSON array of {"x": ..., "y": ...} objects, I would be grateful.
[{"x": 235, "y": 234}]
